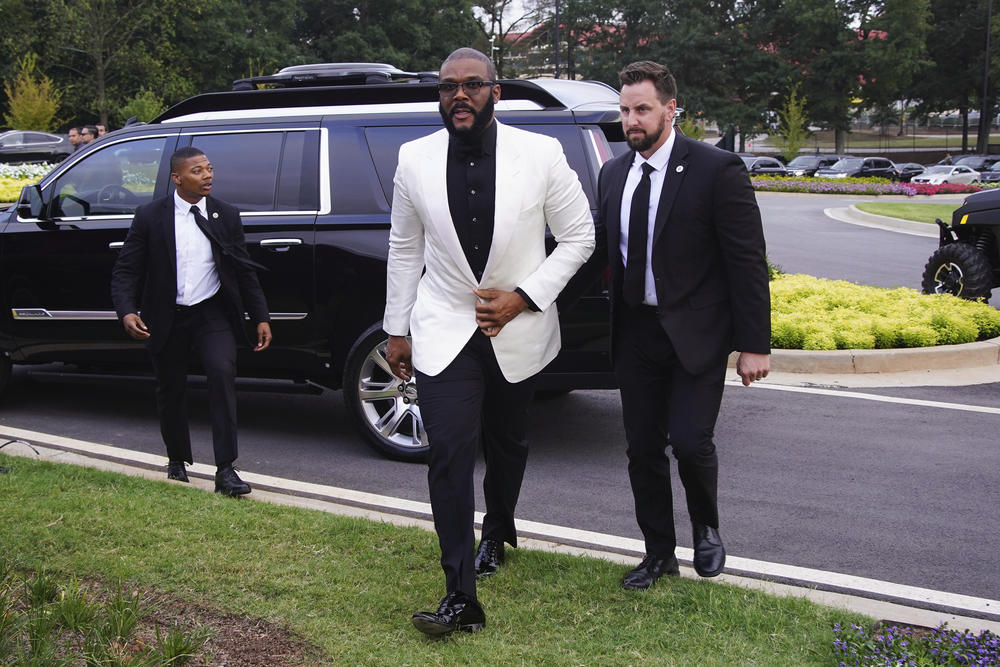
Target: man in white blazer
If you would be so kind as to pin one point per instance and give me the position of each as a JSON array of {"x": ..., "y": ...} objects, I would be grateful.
[{"x": 470, "y": 282}]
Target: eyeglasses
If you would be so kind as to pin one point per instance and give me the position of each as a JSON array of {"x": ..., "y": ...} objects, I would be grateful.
[{"x": 449, "y": 88}]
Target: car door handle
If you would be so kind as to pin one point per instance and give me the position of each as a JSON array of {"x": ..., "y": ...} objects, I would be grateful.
[
  {"x": 279, "y": 245},
  {"x": 116, "y": 245}
]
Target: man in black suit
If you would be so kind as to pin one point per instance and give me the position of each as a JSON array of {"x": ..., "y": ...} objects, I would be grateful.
[
  {"x": 185, "y": 253},
  {"x": 689, "y": 284}
]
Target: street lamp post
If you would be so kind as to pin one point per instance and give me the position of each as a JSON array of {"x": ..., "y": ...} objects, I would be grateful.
[{"x": 985, "y": 110}]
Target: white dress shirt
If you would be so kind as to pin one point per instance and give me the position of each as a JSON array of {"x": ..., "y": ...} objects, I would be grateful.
[
  {"x": 197, "y": 277},
  {"x": 658, "y": 161}
]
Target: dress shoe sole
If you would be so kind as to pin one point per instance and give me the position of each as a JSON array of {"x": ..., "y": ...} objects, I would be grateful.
[
  {"x": 429, "y": 627},
  {"x": 486, "y": 575},
  {"x": 177, "y": 478},
  {"x": 713, "y": 573},
  {"x": 232, "y": 493},
  {"x": 639, "y": 587}
]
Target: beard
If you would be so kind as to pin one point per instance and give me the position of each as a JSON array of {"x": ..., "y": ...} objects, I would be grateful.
[
  {"x": 480, "y": 120},
  {"x": 643, "y": 142}
]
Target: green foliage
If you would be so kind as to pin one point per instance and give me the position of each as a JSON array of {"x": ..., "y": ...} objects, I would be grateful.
[
  {"x": 815, "y": 314},
  {"x": 178, "y": 646},
  {"x": 793, "y": 131},
  {"x": 330, "y": 577},
  {"x": 32, "y": 98},
  {"x": 919, "y": 212},
  {"x": 144, "y": 106},
  {"x": 692, "y": 129},
  {"x": 43, "y": 623}
]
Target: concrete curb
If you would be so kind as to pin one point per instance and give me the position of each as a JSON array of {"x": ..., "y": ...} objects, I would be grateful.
[
  {"x": 853, "y": 216},
  {"x": 941, "y": 357}
]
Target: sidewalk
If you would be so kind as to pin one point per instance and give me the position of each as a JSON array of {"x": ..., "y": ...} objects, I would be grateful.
[{"x": 877, "y": 599}]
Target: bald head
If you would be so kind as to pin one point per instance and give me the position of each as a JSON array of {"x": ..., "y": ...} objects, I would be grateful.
[{"x": 468, "y": 53}]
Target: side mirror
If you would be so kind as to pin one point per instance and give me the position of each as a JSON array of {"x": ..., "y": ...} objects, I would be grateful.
[{"x": 30, "y": 204}]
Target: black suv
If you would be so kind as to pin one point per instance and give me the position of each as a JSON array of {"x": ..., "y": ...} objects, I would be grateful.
[
  {"x": 806, "y": 165},
  {"x": 861, "y": 167},
  {"x": 310, "y": 165}
]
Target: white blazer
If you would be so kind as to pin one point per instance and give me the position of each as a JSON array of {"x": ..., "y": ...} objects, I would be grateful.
[{"x": 429, "y": 282}]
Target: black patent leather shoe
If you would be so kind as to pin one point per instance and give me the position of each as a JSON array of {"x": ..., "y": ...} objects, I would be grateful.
[
  {"x": 709, "y": 554},
  {"x": 488, "y": 558},
  {"x": 175, "y": 470},
  {"x": 228, "y": 483},
  {"x": 458, "y": 611},
  {"x": 649, "y": 570}
]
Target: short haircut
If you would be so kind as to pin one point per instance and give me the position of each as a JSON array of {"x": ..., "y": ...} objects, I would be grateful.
[
  {"x": 468, "y": 53},
  {"x": 90, "y": 129},
  {"x": 647, "y": 70},
  {"x": 182, "y": 154}
]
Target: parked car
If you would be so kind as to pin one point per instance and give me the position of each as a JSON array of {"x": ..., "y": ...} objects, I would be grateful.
[
  {"x": 943, "y": 173},
  {"x": 991, "y": 175},
  {"x": 758, "y": 165},
  {"x": 806, "y": 165},
  {"x": 862, "y": 167},
  {"x": 30, "y": 146},
  {"x": 977, "y": 162},
  {"x": 311, "y": 169},
  {"x": 908, "y": 170},
  {"x": 967, "y": 261}
]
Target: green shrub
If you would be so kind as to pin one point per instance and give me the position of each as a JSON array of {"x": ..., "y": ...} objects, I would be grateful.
[{"x": 815, "y": 314}]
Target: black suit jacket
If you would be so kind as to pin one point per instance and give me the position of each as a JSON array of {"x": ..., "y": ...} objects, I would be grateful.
[
  {"x": 708, "y": 256},
  {"x": 144, "y": 278}
]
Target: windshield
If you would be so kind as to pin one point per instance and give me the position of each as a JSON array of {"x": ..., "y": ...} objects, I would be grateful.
[
  {"x": 847, "y": 164},
  {"x": 970, "y": 161},
  {"x": 938, "y": 170},
  {"x": 747, "y": 160},
  {"x": 803, "y": 161}
]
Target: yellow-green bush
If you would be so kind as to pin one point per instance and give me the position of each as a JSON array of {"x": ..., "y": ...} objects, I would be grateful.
[{"x": 814, "y": 314}]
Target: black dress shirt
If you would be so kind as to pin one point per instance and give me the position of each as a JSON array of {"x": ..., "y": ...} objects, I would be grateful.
[{"x": 471, "y": 179}]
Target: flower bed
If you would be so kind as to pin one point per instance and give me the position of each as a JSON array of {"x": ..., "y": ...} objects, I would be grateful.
[
  {"x": 855, "y": 186},
  {"x": 904, "y": 645}
]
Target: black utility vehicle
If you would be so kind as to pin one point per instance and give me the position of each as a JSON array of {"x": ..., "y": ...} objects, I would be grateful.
[
  {"x": 967, "y": 263},
  {"x": 310, "y": 164},
  {"x": 806, "y": 165},
  {"x": 861, "y": 167}
]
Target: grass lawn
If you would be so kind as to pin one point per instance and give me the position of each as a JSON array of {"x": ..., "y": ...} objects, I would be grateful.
[
  {"x": 910, "y": 211},
  {"x": 348, "y": 586}
]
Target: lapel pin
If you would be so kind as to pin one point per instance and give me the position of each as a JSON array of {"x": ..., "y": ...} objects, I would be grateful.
[
  {"x": 215, "y": 215},
  {"x": 680, "y": 168}
]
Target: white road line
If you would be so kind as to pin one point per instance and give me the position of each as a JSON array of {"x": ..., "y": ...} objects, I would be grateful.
[
  {"x": 871, "y": 397},
  {"x": 844, "y": 583}
]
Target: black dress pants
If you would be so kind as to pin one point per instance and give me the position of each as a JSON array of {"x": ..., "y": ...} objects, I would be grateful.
[
  {"x": 663, "y": 404},
  {"x": 466, "y": 405},
  {"x": 203, "y": 330}
]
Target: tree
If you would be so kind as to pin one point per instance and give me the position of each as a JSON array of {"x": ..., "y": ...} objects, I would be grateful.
[
  {"x": 792, "y": 132},
  {"x": 32, "y": 99},
  {"x": 97, "y": 33},
  {"x": 409, "y": 34}
]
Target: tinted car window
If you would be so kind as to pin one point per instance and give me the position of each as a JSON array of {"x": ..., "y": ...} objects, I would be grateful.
[
  {"x": 384, "y": 143},
  {"x": 280, "y": 179},
  {"x": 298, "y": 176},
  {"x": 112, "y": 181}
]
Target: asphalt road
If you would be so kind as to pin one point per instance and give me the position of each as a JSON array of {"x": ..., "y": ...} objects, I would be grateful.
[{"x": 897, "y": 492}]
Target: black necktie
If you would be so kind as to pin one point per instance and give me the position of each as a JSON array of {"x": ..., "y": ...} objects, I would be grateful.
[
  {"x": 638, "y": 232},
  {"x": 207, "y": 230}
]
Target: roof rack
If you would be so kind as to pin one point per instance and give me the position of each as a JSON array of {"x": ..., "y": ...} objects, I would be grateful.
[{"x": 333, "y": 74}]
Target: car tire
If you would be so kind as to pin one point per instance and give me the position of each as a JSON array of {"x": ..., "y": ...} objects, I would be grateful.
[
  {"x": 959, "y": 269},
  {"x": 384, "y": 407}
]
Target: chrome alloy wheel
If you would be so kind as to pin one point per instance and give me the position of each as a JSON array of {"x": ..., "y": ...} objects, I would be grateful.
[{"x": 389, "y": 403}]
